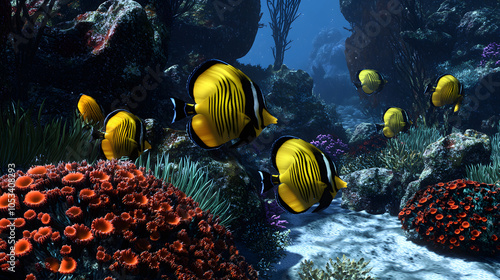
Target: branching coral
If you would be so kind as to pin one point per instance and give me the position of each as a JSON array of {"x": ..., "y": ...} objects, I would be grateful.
[
  {"x": 456, "y": 215},
  {"x": 344, "y": 269},
  {"x": 163, "y": 235}
]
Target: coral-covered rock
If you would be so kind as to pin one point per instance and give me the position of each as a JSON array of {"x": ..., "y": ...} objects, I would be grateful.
[
  {"x": 197, "y": 35},
  {"x": 374, "y": 190},
  {"x": 131, "y": 223},
  {"x": 459, "y": 215},
  {"x": 447, "y": 158},
  {"x": 362, "y": 132}
]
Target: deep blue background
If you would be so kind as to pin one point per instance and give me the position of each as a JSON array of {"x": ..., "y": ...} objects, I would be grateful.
[{"x": 315, "y": 15}]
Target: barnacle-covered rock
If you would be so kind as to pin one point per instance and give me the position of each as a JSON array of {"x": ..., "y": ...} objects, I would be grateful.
[
  {"x": 374, "y": 190},
  {"x": 133, "y": 223},
  {"x": 459, "y": 215}
]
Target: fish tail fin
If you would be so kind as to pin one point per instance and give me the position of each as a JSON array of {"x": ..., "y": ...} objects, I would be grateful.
[
  {"x": 267, "y": 181},
  {"x": 96, "y": 134},
  {"x": 147, "y": 145},
  {"x": 181, "y": 109}
]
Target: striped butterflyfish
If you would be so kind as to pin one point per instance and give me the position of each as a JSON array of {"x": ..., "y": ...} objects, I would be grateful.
[
  {"x": 227, "y": 105},
  {"x": 124, "y": 135},
  {"x": 395, "y": 120},
  {"x": 89, "y": 110},
  {"x": 369, "y": 81},
  {"x": 306, "y": 176},
  {"x": 446, "y": 90}
]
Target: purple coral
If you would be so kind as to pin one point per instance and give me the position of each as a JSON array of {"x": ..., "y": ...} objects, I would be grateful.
[
  {"x": 273, "y": 211},
  {"x": 333, "y": 148},
  {"x": 491, "y": 53}
]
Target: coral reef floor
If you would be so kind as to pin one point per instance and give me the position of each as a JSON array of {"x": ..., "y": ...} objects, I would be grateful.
[{"x": 379, "y": 239}]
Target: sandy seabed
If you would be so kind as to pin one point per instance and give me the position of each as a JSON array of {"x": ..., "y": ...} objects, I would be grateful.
[{"x": 378, "y": 238}]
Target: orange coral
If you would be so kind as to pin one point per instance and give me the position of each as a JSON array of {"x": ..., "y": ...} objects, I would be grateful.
[
  {"x": 35, "y": 199},
  {"x": 23, "y": 183},
  {"x": 102, "y": 227},
  {"x": 22, "y": 248},
  {"x": 68, "y": 265}
]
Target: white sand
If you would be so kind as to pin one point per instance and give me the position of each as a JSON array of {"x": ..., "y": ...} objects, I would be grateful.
[{"x": 379, "y": 239}]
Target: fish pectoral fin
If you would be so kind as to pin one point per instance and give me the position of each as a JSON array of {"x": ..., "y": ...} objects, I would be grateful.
[
  {"x": 459, "y": 104},
  {"x": 290, "y": 201},
  {"x": 325, "y": 201}
]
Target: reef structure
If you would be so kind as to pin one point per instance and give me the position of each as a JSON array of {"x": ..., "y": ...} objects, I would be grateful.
[
  {"x": 108, "y": 220},
  {"x": 459, "y": 215}
]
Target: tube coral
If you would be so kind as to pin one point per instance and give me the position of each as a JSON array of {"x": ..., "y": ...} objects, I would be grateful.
[
  {"x": 456, "y": 215},
  {"x": 113, "y": 219}
]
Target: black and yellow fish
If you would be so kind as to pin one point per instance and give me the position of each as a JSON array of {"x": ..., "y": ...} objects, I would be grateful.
[
  {"x": 306, "y": 176},
  {"x": 90, "y": 111},
  {"x": 446, "y": 90},
  {"x": 369, "y": 81},
  {"x": 124, "y": 136},
  {"x": 228, "y": 105},
  {"x": 395, "y": 120}
]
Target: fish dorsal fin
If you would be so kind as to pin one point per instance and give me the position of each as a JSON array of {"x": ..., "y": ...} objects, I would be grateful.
[
  {"x": 210, "y": 76},
  {"x": 268, "y": 118}
]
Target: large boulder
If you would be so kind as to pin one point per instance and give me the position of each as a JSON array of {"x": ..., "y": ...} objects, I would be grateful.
[
  {"x": 215, "y": 29},
  {"x": 447, "y": 158},
  {"x": 375, "y": 190}
]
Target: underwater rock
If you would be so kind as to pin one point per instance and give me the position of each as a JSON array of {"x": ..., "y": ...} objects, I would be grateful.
[
  {"x": 373, "y": 190},
  {"x": 446, "y": 159},
  {"x": 223, "y": 166},
  {"x": 215, "y": 29},
  {"x": 288, "y": 88},
  {"x": 363, "y": 131}
]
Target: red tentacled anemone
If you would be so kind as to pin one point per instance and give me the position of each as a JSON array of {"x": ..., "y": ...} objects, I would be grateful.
[
  {"x": 111, "y": 219},
  {"x": 459, "y": 215}
]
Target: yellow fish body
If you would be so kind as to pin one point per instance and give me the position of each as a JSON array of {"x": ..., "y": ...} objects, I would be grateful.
[
  {"x": 306, "y": 176},
  {"x": 228, "y": 105},
  {"x": 124, "y": 136},
  {"x": 370, "y": 81},
  {"x": 395, "y": 121},
  {"x": 90, "y": 111},
  {"x": 447, "y": 90}
]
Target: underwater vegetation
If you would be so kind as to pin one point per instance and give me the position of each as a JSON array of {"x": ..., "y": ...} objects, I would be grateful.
[
  {"x": 457, "y": 215},
  {"x": 283, "y": 14},
  {"x": 490, "y": 173},
  {"x": 193, "y": 180},
  {"x": 52, "y": 141},
  {"x": 341, "y": 269},
  {"x": 109, "y": 219}
]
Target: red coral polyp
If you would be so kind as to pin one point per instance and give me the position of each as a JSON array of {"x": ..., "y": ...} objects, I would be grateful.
[
  {"x": 457, "y": 216},
  {"x": 112, "y": 207},
  {"x": 35, "y": 199},
  {"x": 23, "y": 183}
]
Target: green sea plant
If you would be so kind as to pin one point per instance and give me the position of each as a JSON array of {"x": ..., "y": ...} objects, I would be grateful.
[
  {"x": 342, "y": 269},
  {"x": 404, "y": 152},
  {"x": 490, "y": 173},
  {"x": 27, "y": 141},
  {"x": 191, "y": 179}
]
